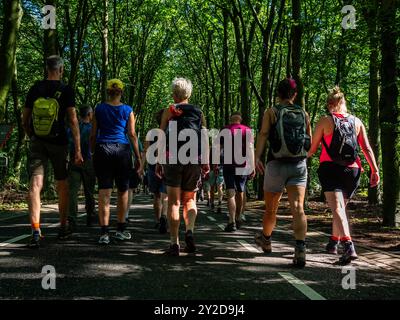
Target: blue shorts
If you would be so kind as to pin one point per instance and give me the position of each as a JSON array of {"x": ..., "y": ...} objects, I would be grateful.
[
  {"x": 156, "y": 185},
  {"x": 232, "y": 181}
]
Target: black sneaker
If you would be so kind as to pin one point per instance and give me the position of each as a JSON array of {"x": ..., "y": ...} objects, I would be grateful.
[
  {"x": 162, "y": 228},
  {"x": 239, "y": 223},
  {"x": 173, "y": 250},
  {"x": 189, "y": 240},
  {"x": 231, "y": 227},
  {"x": 91, "y": 219},
  {"x": 64, "y": 232},
  {"x": 349, "y": 253},
  {"x": 34, "y": 242}
]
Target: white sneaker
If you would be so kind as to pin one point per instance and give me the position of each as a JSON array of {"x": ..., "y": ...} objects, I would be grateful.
[
  {"x": 122, "y": 236},
  {"x": 104, "y": 239}
]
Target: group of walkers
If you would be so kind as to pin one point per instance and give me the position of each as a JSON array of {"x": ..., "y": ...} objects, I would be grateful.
[{"x": 104, "y": 145}]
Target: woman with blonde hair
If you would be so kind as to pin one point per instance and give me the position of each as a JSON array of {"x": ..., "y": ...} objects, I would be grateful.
[{"x": 340, "y": 134}]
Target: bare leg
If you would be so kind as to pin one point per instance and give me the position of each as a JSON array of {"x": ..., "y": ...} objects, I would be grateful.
[
  {"x": 104, "y": 207},
  {"x": 336, "y": 203},
  {"x": 296, "y": 199},
  {"x": 189, "y": 209},
  {"x": 230, "y": 193},
  {"x": 36, "y": 185},
  {"x": 63, "y": 199},
  {"x": 122, "y": 206},
  {"x": 174, "y": 202},
  {"x": 271, "y": 207}
]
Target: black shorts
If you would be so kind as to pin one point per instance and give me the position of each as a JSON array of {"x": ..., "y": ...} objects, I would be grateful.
[
  {"x": 134, "y": 179},
  {"x": 187, "y": 177},
  {"x": 112, "y": 162},
  {"x": 337, "y": 178}
]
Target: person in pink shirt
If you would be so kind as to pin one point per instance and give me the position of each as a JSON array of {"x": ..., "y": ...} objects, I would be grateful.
[{"x": 340, "y": 167}]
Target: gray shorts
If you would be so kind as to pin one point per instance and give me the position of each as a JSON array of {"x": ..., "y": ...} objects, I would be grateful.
[{"x": 280, "y": 174}]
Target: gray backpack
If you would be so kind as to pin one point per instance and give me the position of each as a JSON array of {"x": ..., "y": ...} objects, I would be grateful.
[{"x": 289, "y": 139}]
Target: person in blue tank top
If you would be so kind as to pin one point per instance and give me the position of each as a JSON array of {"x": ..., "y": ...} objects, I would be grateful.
[{"x": 113, "y": 125}]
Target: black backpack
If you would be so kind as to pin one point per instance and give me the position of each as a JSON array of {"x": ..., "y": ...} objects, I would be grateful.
[
  {"x": 344, "y": 146},
  {"x": 289, "y": 140},
  {"x": 190, "y": 118}
]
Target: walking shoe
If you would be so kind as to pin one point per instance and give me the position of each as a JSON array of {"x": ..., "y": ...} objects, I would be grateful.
[
  {"x": 64, "y": 232},
  {"x": 163, "y": 225},
  {"x": 34, "y": 242},
  {"x": 332, "y": 246},
  {"x": 239, "y": 223},
  {"x": 189, "y": 240},
  {"x": 299, "y": 259},
  {"x": 157, "y": 225},
  {"x": 231, "y": 227},
  {"x": 123, "y": 235},
  {"x": 173, "y": 250},
  {"x": 349, "y": 253},
  {"x": 104, "y": 239},
  {"x": 261, "y": 241}
]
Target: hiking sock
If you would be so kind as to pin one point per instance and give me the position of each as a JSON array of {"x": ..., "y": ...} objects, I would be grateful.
[
  {"x": 300, "y": 243},
  {"x": 35, "y": 227},
  {"x": 105, "y": 229},
  {"x": 121, "y": 227}
]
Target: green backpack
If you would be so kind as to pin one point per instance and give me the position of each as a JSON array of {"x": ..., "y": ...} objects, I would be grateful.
[{"x": 45, "y": 115}]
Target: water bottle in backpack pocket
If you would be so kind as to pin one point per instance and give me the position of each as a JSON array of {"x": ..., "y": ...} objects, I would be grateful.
[
  {"x": 343, "y": 149},
  {"x": 289, "y": 139}
]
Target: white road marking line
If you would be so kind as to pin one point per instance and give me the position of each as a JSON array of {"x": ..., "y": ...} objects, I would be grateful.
[
  {"x": 24, "y": 236},
  {"x": 211, "y": 219},
  {"x": 301, "y": 286},
  {"x": 248, "y": 246},
  {"x": 13, "y": 240}
]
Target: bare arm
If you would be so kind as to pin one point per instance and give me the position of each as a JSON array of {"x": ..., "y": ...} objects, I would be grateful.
[
  {"x": 366, "y": 148},
  {"x": 26, "y": 121},
  {"x": 164, "y": 119},
  {"x": 317, "y": 137},
  {"x": 74, "y": 125},
  {"x": 93, "y": 135},
  {"x": 133, "y": 137}
]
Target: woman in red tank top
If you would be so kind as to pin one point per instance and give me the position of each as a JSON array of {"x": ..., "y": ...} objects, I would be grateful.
[{"x": 339, "y": 182}]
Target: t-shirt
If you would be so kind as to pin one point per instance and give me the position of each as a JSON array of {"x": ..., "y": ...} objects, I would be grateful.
[
  {"x": 112, "y": 123},
  {"x": 47, "y": 89},
  {"x": 85, "y": 130},
  {"x": 237, "y": 128}
]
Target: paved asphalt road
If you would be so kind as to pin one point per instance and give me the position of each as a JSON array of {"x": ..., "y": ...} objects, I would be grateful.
[{"x": 227, "y": 265}]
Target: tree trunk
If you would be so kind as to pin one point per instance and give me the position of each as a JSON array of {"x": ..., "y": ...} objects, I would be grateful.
[
  {"x": 104, "y": 42},
  {"x": 297, "y": 31},
  {"x": 12, "y": 20},
  {"x": 373, "y": 124},
  {"x": 389, "y": 116},
  {"x": 51, "y": 46},
  {"x": 226, "y": 68}
]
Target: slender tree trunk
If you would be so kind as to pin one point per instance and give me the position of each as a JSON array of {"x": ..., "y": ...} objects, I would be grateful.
[
  {"x": 389, "y": 115},
  {"x": 373, "y": 123},
  {"x": 51, "y": 46},
  {"x": 226, "y": 67},
  {"x": 297, "y": 31},
  {"x": 12, "y": 20},
  {"x": 104, "y": 42},
  {"x": 17, "y": 163}
]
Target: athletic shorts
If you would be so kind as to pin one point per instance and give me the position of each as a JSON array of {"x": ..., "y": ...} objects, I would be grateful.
[
  {"x": 134, "y": 179},
  {"x": 337, "y": 178},
  {"x": 39, "y": 154},
  {"x": 187, "y": 177},
  {"x": 233, "y": 181},
  {"x": 156, "y": 185},
  {"x": 280, "y": 174},
  {"x": 113, "y": 162}
]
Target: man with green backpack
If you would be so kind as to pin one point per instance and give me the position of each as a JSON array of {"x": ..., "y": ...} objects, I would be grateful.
[{"x": 47, "y": 105}]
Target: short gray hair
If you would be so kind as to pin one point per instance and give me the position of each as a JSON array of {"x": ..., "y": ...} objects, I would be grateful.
[
  {"x": 182, "y": 88},
  {"x": 54, "y": 63}
]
